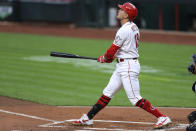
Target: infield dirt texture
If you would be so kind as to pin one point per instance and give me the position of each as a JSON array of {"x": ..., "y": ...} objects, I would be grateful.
[{"x": 17, "y": 115}]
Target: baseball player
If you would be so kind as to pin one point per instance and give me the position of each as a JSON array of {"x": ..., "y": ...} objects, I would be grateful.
[
  {"x": 192, "y": 69},
  {"x": 192, "y": 120},
  {"x": 192, "y": 116},
  {"x": 125, "y": 50}
]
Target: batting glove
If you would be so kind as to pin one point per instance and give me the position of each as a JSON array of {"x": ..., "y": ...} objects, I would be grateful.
[{"x": 102, "y": 59}]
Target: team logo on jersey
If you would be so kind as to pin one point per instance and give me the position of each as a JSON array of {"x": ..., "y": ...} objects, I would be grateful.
[{"x": 117, "y": 39}]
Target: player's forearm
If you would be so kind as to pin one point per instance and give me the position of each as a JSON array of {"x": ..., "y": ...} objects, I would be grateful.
[{"x": 110, "y": 53}]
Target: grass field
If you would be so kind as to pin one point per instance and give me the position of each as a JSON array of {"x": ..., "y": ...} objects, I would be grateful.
[{"x": 28, "y": 72}]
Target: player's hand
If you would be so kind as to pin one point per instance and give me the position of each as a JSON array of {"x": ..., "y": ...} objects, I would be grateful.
[{"x": 102, "y": 59}]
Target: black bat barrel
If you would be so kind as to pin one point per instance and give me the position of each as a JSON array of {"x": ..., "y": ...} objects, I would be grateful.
[{"x": 66, "y": 55}]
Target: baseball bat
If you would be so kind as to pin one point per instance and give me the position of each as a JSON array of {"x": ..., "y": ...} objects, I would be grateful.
[{"x": 66, "y": 55}]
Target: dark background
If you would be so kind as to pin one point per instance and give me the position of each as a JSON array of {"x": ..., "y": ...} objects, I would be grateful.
[{"x": 179, "y": 15}]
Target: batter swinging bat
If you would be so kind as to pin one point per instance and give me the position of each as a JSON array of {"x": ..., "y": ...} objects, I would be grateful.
[{"x": 66, "y": 55}]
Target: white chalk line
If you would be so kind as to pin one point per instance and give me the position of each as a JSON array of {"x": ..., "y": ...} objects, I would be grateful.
[
  {"x": 29, "y": 116},
  {"x": 181, "y": 126},
  {"x": 106, "y": 121},
  {"x": 33, "y": 117},
  {"x": 111, "y": 121},
  {"x": 53, "y": 123}
]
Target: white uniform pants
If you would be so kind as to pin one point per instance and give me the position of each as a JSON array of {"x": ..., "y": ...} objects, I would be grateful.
[{"x": 125, "y": 75}]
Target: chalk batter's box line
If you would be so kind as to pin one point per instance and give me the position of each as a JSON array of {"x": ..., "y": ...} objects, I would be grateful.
[{"x": 53, "y": 123}]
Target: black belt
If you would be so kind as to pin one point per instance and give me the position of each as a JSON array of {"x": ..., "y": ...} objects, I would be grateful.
[{"x": 121, "y": 59}]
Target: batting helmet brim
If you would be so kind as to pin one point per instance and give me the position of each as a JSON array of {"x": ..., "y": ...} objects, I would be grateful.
[{"x": 122, "y": 7}]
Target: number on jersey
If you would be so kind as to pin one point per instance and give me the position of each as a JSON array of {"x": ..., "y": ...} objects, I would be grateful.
[{"x": 137, "y": 38}]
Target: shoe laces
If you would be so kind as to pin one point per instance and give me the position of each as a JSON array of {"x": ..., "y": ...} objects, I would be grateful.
[
  {"x": 84, "y": 118},
  {"x": 160, "y": 119}
]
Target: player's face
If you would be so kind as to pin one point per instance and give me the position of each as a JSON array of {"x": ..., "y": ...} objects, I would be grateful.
[{"x": 121, "y": 15}]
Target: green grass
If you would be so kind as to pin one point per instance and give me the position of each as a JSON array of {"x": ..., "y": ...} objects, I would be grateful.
[{"x": 58, "y": 82}]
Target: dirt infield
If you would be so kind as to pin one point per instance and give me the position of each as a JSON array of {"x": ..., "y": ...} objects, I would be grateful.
[
  {"x": 187, "y": 38},
  {"x": 18, "y": 115}
]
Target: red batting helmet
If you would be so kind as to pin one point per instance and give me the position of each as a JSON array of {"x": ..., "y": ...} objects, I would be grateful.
[{"x": 130, "y": 9}]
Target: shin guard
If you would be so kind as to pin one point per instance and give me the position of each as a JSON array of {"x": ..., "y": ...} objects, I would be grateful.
[{"x": 101, "y": 103}]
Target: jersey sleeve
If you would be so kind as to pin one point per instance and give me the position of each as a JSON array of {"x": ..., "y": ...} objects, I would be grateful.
[{"x": 120, "y": 38}]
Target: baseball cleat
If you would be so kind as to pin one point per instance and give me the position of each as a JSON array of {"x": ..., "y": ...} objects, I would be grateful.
[
  {"x": 162, "y": 122},
  {"x": 83, "y": 121}
]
